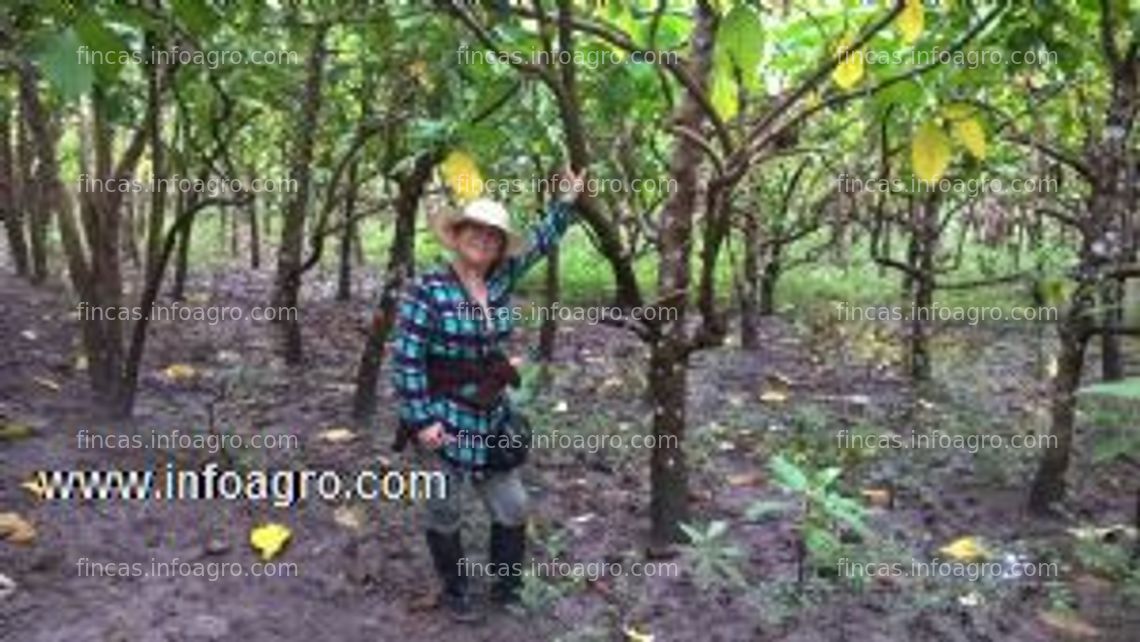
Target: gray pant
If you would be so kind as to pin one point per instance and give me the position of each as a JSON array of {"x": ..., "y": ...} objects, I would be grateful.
[{"x": 502, "y": 493}]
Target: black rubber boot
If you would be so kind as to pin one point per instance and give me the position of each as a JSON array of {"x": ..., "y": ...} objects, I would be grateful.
[
  {"x": 446, "y": 553},
  {"x": 508, "y": 543}
]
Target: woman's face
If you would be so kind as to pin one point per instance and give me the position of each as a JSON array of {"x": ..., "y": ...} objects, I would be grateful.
[{"x": 478, "y": 245}]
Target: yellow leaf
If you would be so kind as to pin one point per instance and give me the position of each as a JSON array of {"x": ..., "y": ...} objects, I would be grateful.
[
  {"x": 15, "y": 431},
  {"x": 35, "y": 486},
  {"x": 969, "y": 132},
  {"x": 636, "y": 636},
  {"x": 16, "y": 529},
  {"x": 462, "y": 176},
  {"x": 724, "y": 96},
  {"x": 269, "y": 539},
  {"x": 419, "y": 70},
  {"x": 930, "y": 152},
  {"x": 966, "y": 549},
  {"x": 911, "y": 20},
  {"x": 850, "y": 69},
  {"x": 179, "y": 371},
  {"x": 336, "y": 435},
  {"x": 957, "y": 111},
  {"x": 773, "y": 396}
]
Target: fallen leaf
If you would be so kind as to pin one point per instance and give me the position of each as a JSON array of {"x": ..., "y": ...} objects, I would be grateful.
[
  {"x": 13, "y": 431},
  {"x": 30, "y": 335},
  {"x": 966, "y": 549},
  {"x": 47, "y": 383},
  {"x": 880, "y": 497},
  {"x": 561, "y": 406},
  {"x": 348, "y": 517},
  {"x": 35, "y": 486},
  {"x": 7, "y": 586},
  {"x": 16, "y": 529},
  {"x": 636, "y": 636},
  {"x": 336, "y": 435},
  {"x": 744, "y": 479},
  {"x": 269, "y": 539},
  {"x": 773, "y": 396},
  {"x": 973, "y": 598},
  {"x": 1070, "y": 623},
  {"x": 179, "y": 371},
  {"x": 81, "y": 363}
]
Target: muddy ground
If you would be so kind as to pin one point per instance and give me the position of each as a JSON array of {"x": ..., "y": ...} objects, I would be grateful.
[{"x": 370, "y": 580}]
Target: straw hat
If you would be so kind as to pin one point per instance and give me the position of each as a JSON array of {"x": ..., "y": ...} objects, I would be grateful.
[{"x": 483, "y": 211}]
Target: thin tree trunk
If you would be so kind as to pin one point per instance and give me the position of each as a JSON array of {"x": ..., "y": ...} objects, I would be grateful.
[
  {"x": 750, "y": 310},
  {"x": 182, "y": 259},
  {"x": 344, "y": 274},
  {"x": 287, "y": 292},
  {"x": 773, "y": 268},
  {"x": 254, "y": 233},
  {"x": 1111, "y": 355},
  {"x": 548, "y": 331},
  {"x": 32, "y": 199},
  {"x": 401, "y": 266},
  {"x": 10, "y": 207},
  {"x": 669, "y": 353}
]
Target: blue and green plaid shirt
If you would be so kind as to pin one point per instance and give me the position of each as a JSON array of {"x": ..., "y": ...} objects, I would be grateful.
[{"x": 437, "y": 319}]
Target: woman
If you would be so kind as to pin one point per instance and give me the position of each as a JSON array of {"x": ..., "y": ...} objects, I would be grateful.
[{"x": 450, "y": 374}]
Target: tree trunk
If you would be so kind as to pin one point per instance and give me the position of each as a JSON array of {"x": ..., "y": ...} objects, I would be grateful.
[
  {"x": 401, "y": 266},
  {"x": 254, "y": 234},
  {"x": 669, "y": 353},
  {"x": 10, "y": 207},
  {"x": 750, "y": 310},
  {"x": 344, "y": 275},
  {"x": 1049, "y": 482},
  {"x": 182, "y": 260},
  {"x": 668, "y": 470},
  {"x": 31, "y": 193},
  {"x": 1111, "y": 356},
  {"x": 287, "y": 291},
  {"x": 770, "y": 277},
  {"x": 548, "y": 331}
]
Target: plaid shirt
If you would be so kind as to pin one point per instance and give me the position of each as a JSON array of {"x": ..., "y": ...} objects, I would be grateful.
[{"x": 437, "y": 318}]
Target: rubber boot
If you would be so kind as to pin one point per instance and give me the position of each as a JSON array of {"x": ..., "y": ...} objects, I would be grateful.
[
  {"x": 508, "y": 543},
  {"x": 446, "y": 553}
]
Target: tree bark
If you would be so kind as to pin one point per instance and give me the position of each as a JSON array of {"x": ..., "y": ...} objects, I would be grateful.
[
  {"x": 669, "y": 353},
  {"x": 344, "y": 274},
  {"x": 287, "y": 291},
  {"x": 10, "y": 207},
  {"x": 750, "y": 310},
  {"x": 401, "y": 266}
]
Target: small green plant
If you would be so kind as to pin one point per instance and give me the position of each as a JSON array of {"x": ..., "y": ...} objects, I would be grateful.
[
  {"x": 713, "y": 558},
  {"x": 825, "y": 514}
]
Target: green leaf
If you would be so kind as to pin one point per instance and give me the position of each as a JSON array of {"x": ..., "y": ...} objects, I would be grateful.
[
  {"x": 1115, "y": 447},
  {"x": 58, "y": 58},
  {"x": 107, "y": 48},
  {"x": 739, "y": 42},
  {"x": 197, "y": 15},
  {"x": 765, "y": 508},
  {"x": 788, "y": 474},
  {"x": 1128, "y": 388}
]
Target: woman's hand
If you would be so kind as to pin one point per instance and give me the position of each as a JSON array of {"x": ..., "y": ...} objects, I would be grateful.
[
  {"x": 571, "y": 185},
  {"x": 433, "y": 436}
]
